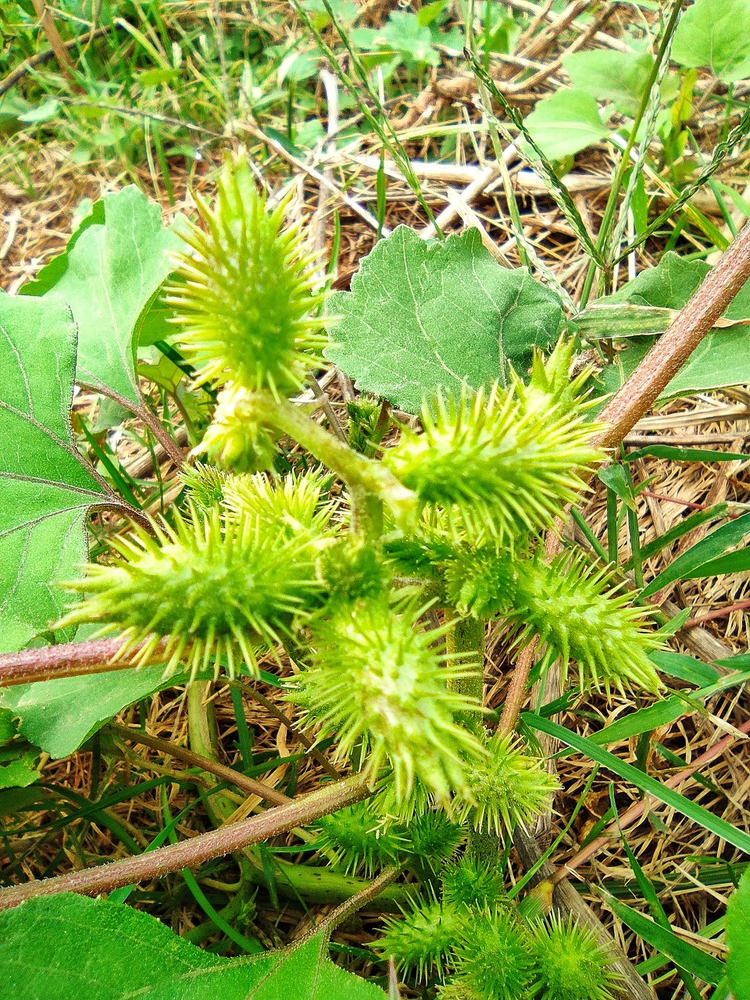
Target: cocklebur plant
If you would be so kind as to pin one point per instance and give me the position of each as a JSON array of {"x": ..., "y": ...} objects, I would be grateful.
[{"x": 377, "y": 576}]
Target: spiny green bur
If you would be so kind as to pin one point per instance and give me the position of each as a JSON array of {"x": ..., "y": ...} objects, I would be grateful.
[{"x": 361, "y": 568}]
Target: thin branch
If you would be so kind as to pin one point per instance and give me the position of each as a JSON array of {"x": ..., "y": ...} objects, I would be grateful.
[
  {"x": 675, "y": 346},
  {"x": 359, "y": 899},
  {"x": 196, "y": 851},
  {"x": 236, "y": 778},
  {"x": 71, "y": 659},
  {"x": 638, "y": 809},
  {"x": 142, "y": 411},
  {"x": 516, "y": 695},
  {"x": 42, "y": 57},
  {"x": 48, "y": 26}
]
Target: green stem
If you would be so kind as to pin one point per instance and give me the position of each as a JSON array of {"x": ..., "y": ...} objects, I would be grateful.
[
  {"x": 370, "y": 484},
  {"x": 467, "y": 637},
  {"x": 323, "y": 885}
]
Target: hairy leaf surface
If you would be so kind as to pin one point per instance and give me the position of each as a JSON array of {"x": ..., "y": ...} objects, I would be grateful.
[
  {"x": 108, "y": 275},
  {"x": 58, "y": 716},
  {"x": 715, "y": 34},
  {"x": 422, "y": 315},
  {"x": 69, "y": 946},
  {"x": 46, "y": 487}
]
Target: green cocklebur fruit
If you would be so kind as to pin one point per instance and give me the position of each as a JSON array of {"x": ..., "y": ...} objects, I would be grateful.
[
  {"x": 422, "y": 939},
  {"x": 296, "y": 505},
  {"x": 211, "y": 590},
  {"x": 570, "y": 964},
  {"x": 479, "y": 581},
  {"x": 574, "y": 608},
  {"x": 246, "y": 298},
  {"x": 493, "y": 465},
  {"x": 356, "y": 839},
  {"x": 469, "y": 882},
  {"x": 378, "y": 677},
  {"x": 205, "y": 485},
  {"x": 493, "y": 958},
  {"x": 508, "y": 785}
]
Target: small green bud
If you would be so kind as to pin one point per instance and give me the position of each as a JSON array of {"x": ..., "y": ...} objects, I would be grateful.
[
  {"x": 422, "y": 939},
  {"x": 493, "y": 958},
  {"x": 509, "y": 786},
  {"x": 205, "y": 484},
  {"x": 234, "y": 438},
  {"x": 468, "y": 882},
  {"x": 356, "y": 839},
  {"x": 295, "y": 506}
]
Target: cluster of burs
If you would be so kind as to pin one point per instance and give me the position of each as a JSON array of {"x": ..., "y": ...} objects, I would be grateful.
[{"x": 363, "y": 569}]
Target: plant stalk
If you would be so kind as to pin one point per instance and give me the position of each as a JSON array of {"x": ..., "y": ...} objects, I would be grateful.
[
  {"x": 674, "y": 347},
  {"x": 193, "y": 852},
  {"x": 70, "y": 659},
  {"x": 363, "y": 477}
]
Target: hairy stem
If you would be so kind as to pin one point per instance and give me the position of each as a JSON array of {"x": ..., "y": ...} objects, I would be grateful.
[
  {"x": 467, "y": 637},
  {"x": 323, "y": 886},
  {"x": 193, "y": 759},
  {"x": 71, "y": 659},
  {"x": 675, "y": 346},
  {"x": 193, "y": 852},
  {"x": 517, "y": 689}
]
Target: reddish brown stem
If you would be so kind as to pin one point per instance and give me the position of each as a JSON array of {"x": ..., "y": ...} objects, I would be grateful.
[
  {"x": 641, "y": 391},
  {"x": 516, "y": 695},
  {"x": 190, "y": 853},
  {"x": 73, "y": 659},
  {"x": 677, "y": 343},
  {"x": 638, "y": 809},
  {"x": 718, "y": 613}
]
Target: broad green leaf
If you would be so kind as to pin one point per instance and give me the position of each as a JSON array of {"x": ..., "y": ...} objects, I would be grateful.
[
  {"x": 422, "y": 315},
  {"x": 108, "y": 277},
  {"x": 686, "y": 955},
  {"x": 696, "y": 561},
  {"x": 405, "y": 34},
  {"x": 715, "y": 34},
  {"x": 68, "y": 946},
  {"x": 738, "y": 939},
  {"x": 697, "y": 813},
  {"x": 565, "y": 123},
  {"x": 619, "y": 77},
  {"x": 684, "y": 667},
  {"x": 59, "y": 716},
  {"x": 46, "y": 487}
]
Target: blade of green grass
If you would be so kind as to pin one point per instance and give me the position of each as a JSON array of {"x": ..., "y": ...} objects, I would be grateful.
[{"x": 686, "y": 807}]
